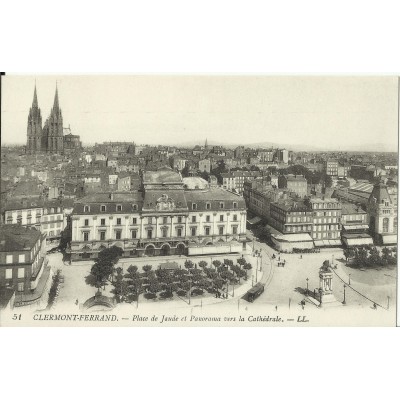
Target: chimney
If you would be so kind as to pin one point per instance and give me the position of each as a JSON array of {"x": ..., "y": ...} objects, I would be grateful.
[{"x": 111, "y": 196}]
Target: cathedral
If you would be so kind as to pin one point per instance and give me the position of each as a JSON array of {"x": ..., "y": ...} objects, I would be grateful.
[{"x": 50, "y": 137}]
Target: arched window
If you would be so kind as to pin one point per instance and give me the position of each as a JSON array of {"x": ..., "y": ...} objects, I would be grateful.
[{"x": 385, "y": 226}]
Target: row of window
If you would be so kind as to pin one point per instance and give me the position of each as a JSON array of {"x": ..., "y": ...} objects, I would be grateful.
[
  {"x": 20, "y": 273},
  {"x": 10, "y": 258},
  {"x": 329, "y": 235},
  {"x": 118, "y": 207},
  {"x": 326, "y": 227},
  {"x": 325, "y": 205},
  {"x": 179, "y": 233},
  {"x": 208, "y": 205},
  {"x": 164, "y": 221}
]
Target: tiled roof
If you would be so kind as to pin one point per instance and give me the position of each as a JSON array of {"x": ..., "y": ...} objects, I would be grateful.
[
  {"x": 163, "y": 175},
  {"x": 17, "y": 238},
  {"x": 95, "y": 200},
  {"x": 214, "y": 196},
  {"x": 349, "y": 208},
  {"x": 152, "y": 196}
]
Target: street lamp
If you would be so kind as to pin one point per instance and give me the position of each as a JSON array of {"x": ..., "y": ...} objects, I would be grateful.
[
  {"x": 349, "y": 279},
  {"x": 388, "y": 302},
  {"x": 344, "y": 294},
  {"x": 320, "y": 296},
  {"x": 307, "y": 287}
]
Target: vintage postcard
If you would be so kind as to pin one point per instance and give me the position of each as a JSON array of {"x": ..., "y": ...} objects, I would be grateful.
[{"x": 198, "y": 200}]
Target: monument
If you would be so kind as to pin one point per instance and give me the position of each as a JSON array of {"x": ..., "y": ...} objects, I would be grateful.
[{"x": 326, "y": 285}]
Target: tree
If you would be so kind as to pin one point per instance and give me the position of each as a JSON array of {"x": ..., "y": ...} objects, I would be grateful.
[
  {"x": 348, "y": 253},
  {"x": 167, "y": 282},
  {"x": 147, "y": 268},
  {"x": 153, "y": 287},
  {"x": 241, "y": 261},
  {"x": 65, "y": 240},
  {"x": 246, "y": 268},
  {"x": 202, "y": 264},
  {"x": 228, "y": 262},
  {"x": 134, "y": 281},
  {"x": 216, "y": 263},
  {"x": 189, "y": 264},
  {"x": 101, "y": 273}
]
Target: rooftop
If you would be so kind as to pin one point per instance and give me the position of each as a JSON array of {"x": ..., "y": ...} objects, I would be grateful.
[{"x": 17, "y": 238}]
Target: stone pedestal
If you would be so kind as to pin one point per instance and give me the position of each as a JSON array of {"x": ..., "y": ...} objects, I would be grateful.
[{"x": 325, "y": 286}]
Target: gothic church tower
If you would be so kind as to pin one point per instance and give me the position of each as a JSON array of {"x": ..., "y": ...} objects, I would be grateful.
[
  {"x": 53, "y": 128},
  {"x": 34, "y": 130}
]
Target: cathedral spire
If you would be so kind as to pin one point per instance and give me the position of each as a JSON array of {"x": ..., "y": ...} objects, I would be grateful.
[
  {"x": 56, "y": 106},
  {"x": 35, "y": 101}
]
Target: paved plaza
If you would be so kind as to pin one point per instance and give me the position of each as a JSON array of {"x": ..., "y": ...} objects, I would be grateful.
[{"x": 285, "y": 286}]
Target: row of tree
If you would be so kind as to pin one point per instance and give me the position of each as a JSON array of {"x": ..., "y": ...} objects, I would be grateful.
[
  {"x": 369, "y": 256},
  {"x": 192, "y": 280}
]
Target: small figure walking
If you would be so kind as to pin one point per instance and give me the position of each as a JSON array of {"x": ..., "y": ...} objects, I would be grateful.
[
  {"x": 76, "y": 302},
  {"x": 374, "y": 306},
  {"x": 276, "y": 308},
  {"x": 301, "y": 255}
]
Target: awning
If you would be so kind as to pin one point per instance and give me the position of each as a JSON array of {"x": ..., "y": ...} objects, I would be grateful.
[
  {"x": 349, "y": 227},
  {"x": 293, "y": 238},
  {"x": 358, "y": 241},
  {"x": 389, "y": 239},
  {"x": 254, "y": 220},
  {"x": 327, "y": 242}
]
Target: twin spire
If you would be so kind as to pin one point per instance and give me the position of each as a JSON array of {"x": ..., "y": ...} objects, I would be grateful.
[{"x": 35, "y": 100}]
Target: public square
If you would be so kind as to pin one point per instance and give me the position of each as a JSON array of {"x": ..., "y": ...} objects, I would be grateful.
[{"x": 285, "y": 287}]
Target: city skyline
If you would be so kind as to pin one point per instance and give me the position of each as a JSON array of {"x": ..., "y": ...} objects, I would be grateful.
[{"x": 310, "y": 113}]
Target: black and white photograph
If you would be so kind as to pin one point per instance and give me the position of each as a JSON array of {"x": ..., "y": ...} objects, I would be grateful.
[{"x": 198, "y": 200}]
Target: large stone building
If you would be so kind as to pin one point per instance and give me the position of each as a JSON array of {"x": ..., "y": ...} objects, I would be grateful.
[
  {"x": 295, "y": 183},
  {"x": 23, "y": 268},
  {"x": 382, "y": 212},
  {"x": 49, "y": 138},
  {"x": 72, "y": 143},
  {"x": 47, "y": 216},
  {"x": 162, "y": 219},
  {"x": 326, "y": 222}
]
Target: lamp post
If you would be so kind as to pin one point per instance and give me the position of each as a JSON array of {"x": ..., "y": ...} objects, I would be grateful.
[
  {"x": 349, "y": 279},
  {"x": 320, "y": 296},
  {"x": 388, "y": 302},
  {"x": 344, "y": 294},
  {"x": 307, "y": 287}
]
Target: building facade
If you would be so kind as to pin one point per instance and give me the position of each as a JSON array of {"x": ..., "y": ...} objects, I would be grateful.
[
  {"x": 46, "y": 216},
  {"x": 332, "y": 167},
  {"x": 163, "y": 219},
  {"x": 382, "y": 213},
  {"x": 23, "y": 266},
  {"x": 295, "y": 183},
  {"x": 292, "y": 217},
  {"x": 326, "y": 221},
  {"x": 50, "y": 137}
]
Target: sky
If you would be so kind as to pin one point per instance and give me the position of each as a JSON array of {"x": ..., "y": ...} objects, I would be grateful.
[{"x": 344, "y": 113}]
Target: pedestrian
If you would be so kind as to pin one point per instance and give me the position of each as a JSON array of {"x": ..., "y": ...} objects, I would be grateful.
[
  {"x": 374, "y": 306},
  {"x": 301, "y": 255},
  {"x": 76, "y": 302},
  {"x": 276, "y": 308}
]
